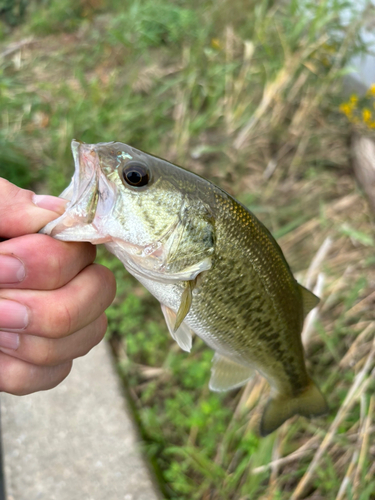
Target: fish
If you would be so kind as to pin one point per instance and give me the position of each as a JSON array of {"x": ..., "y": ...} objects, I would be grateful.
[{"x": 214, "y": 267}]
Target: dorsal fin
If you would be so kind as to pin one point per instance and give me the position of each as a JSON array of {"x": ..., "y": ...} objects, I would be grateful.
[
  {"x": 227, "y": 374},
  {"x": 309, "y": 300},
  {"x": 183, "y": 334}
]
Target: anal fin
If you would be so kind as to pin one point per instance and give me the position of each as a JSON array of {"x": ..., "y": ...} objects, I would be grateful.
[
  {"x": 227, "y": 374},
  {"x": 183, "y": 334}
]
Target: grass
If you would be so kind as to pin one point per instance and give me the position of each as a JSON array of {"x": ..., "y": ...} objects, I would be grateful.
[{"x": 247, "y": 95}]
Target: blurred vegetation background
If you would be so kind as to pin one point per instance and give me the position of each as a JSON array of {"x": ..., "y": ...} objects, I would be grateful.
[{"x": 247, "y": 93}]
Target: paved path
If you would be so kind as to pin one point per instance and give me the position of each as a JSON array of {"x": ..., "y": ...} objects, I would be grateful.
[{"x": 75, "y": 442}]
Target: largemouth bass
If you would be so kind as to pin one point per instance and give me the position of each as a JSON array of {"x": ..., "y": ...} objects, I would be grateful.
[{"x": 215, "y": 269}]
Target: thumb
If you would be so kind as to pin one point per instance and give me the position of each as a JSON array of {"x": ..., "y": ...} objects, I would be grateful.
[{"x": 23, "y": 212}]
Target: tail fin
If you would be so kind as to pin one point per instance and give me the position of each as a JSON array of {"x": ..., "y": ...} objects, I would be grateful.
[{"x": 309, "y": 403}]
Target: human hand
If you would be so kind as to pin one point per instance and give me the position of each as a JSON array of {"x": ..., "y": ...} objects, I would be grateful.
[{"x": 52, "y": 296}]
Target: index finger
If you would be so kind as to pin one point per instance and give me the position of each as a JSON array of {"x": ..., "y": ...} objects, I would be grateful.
[{"x": 22, "y": 212}]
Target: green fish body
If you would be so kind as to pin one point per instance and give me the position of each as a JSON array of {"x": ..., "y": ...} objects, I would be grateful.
[{"x": 213, "y": 266}]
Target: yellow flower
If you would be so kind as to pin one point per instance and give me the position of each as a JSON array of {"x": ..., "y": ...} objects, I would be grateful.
[
  {"x": 346, "y": 108},
  {"x": 353, "y": 99},
  {"x": 366, "y": 115},
  {"x": 371, "y": 90},
  {"x": 371, "y": 125}
]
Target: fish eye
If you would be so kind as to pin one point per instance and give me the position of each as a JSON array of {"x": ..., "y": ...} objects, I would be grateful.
[{"x": 136, "y": 174}]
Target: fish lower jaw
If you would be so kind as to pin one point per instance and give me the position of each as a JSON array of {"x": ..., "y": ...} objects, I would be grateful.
[{"x": 67, "y": 228}]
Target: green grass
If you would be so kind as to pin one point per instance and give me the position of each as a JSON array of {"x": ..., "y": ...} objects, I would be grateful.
[{"x": 246, "y": 94}]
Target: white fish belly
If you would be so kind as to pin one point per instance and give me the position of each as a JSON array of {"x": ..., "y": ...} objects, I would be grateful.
[{"x": 170, "y": 296}]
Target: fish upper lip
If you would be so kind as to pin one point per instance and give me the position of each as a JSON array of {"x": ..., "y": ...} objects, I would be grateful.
[
  {"x": 83, "y": 193},
  {"x": 85, "y": 181}
]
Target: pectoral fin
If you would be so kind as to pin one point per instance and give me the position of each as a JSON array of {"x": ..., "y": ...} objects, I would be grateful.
[
  {"x": 309, "y": 300},
  {"x": 183, "y": 334},
  {"x": 227, "y": 374},
  {"x": 186, "y": 298},
  {"x": 309, "y": 403}
]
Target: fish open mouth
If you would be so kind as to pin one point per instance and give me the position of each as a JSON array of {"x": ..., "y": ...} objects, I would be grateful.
[{"x": 91, "y": 198}]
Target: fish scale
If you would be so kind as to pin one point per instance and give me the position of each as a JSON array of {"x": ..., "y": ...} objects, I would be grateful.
[{"x": 215, "y": 269}]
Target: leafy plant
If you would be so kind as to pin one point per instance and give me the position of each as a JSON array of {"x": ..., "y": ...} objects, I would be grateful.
[
  {"x": 13, "y": 11},
  {"x": 154, "y": 23}
]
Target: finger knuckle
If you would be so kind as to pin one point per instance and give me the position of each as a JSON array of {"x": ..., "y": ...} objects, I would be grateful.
[
  {"x": 61, "y": 323},
  {"x": 55, "y": 270},
  {"x": 101, "y": 328},
  {"x": 89, "y": 251},
  {"x": 20, "y": 378},
  {"x": 97, "y": 332},
  {"x": 108, "y": 283},
  {"x": 14, "y": 377},
  {"x": 46, "y": 355},
  {"x": 55, "y": 375}
]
